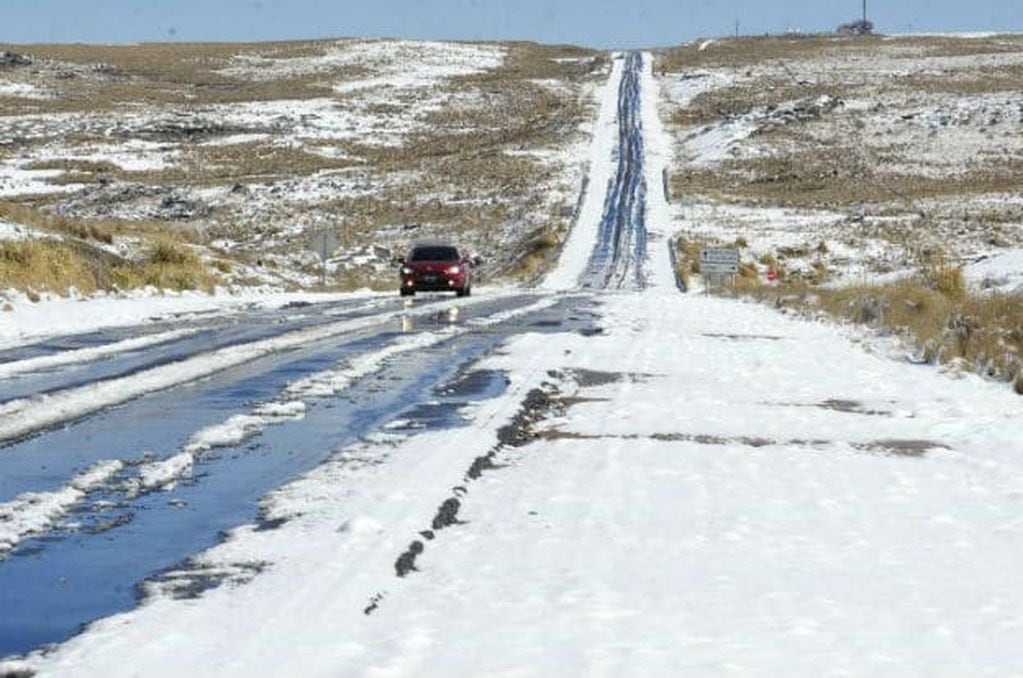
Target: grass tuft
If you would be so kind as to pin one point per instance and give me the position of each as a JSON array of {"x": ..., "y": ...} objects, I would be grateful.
[
  {"x": 45, "y": 266},
  {"x": 167, "y": 265}
]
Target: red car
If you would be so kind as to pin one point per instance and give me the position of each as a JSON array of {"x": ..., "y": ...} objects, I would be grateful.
[{"x": 436, "y": 268}]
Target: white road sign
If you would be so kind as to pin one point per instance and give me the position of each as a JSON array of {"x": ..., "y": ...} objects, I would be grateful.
[
  {"x": 324, "y": 243},
  {"x": 713, "y": 260}
]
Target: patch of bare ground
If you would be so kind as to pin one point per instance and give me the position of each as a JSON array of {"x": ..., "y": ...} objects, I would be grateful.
[{"x": 108, "y": 77}]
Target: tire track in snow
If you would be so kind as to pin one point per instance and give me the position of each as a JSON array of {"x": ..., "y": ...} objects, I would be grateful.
[
  {"x": 617, "y": 259},
  {"x": 89, "y": 354},
  {"x": 25, "y": 416}
]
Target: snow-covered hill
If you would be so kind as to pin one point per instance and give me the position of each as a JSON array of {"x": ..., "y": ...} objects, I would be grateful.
[{"x": 246, "y": 151}]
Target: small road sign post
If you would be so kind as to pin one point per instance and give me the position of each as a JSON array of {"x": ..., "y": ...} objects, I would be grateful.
[
  {"x": 717, "y": 263},
  {"x": 324, "y": 243}
]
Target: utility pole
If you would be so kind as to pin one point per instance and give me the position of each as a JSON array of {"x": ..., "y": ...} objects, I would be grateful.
[
  {"x": 736, "y": 26},
  {"x": 864, "y": 12}
]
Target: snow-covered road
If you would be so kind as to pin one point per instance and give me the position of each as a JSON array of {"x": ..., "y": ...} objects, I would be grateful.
[{"x": 689, "y": 486}]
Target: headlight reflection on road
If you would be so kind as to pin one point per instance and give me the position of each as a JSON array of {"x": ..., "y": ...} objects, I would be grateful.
[{"x": 407, "y": 324}]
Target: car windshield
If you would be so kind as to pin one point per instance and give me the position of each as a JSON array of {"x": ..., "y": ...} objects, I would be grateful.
[{"x": 438, "y": 253}]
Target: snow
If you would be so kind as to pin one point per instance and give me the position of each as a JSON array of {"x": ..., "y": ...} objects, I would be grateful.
[
  {"x": 16, "y": 181},
  {"x": 161, "y": 474},
  {"x": 28, "y": 321},
  {"x": 164, "y": 474},
  {"x": 1000, "y": 271},
  {"x": 243, "y": 426},
  {"x": 130, "y": 155},
  {"x": 9, "y": 231},
  {"x": 84, "y": 355},
  {"x": 685, "y": 88},
  {"x": 23, "y": 90},
  {"x": 27, "y": 415},
  {"x": 705, "y": 514},
  {"x": 34, "y": 512},
  {"x": 577, "y": 248},
  {"x": 405, "y": 63}
]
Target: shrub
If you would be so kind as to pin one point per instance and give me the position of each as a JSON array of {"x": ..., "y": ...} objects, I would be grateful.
[
  {"x": 44, "y": 266},
  {"x": 167, "y": 265}
]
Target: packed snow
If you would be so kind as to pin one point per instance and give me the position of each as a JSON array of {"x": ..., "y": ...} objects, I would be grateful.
[{"x": 575, "y": 253}]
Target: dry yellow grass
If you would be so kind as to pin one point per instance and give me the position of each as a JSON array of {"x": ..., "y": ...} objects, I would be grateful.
[
  {"x": 99, "y": 230},
  {"x": 114, "y": 76},
  {"x": 47, "y": 265},
  {"x": 933, "y": 310},
  {"x": 166, "y": 265}
]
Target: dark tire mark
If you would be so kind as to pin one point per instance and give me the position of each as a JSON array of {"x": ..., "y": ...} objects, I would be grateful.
[
  {"x": 447, "y": 514},
  {"x": 407, "y": 561},
  {"x": 617, "y": 259}
]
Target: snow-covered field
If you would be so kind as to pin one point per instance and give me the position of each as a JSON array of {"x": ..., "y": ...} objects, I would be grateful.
[
  {"x": 703, "y": 487},
  {"x": 871, "y": 155}
]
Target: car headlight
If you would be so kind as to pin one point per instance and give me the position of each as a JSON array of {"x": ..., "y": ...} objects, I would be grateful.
[
  {"x": 454, "y": 270},
  {"x": 406, "y": 270}
]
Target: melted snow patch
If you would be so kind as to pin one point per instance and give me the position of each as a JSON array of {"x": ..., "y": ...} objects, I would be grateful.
[
  {"x": 33, "y": 512},
  {"x": 240, "y": 427}
]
